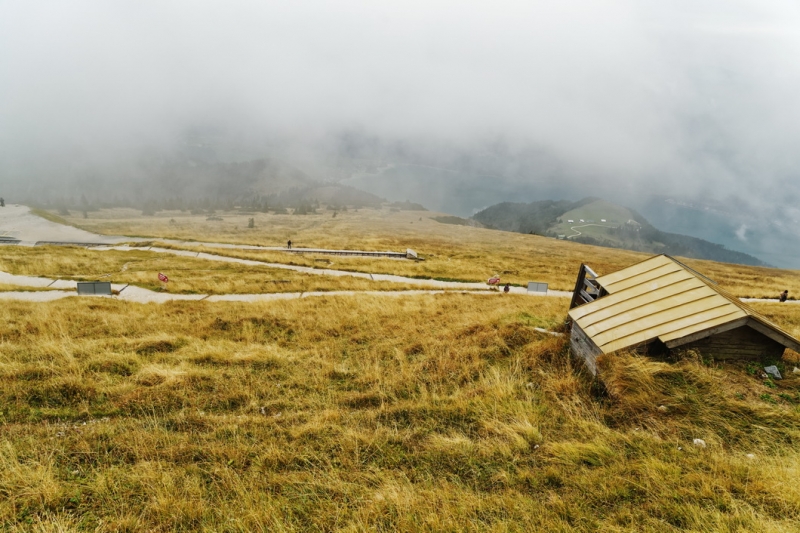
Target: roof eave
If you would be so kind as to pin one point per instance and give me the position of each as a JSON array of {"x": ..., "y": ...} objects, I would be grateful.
[
  {"x": 674, "y": 343},
  {"x": 775, "y": 334}
]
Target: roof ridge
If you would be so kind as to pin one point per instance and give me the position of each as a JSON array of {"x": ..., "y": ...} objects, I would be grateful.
[
  {"x": 622, "y": 321},
  {"x": 690, "y": 269},
  {"x": 752, "y": 313}
]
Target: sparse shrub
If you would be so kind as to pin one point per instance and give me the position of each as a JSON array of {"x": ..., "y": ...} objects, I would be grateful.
[
  {"x": 33, "y": 373},
  {"x": 548, "y": 350},
  {"x": 159, "y": 346},
  {"x": 636, "y": 384},
  {"x": 415, "y": 349},
  {"x": 362, "y": 400},
  {"x": 787, "y": 397},
  {"x": 515, "y": 336},
  {"x": 117, "y": 365},
  {"x": 61, "y": 392}
]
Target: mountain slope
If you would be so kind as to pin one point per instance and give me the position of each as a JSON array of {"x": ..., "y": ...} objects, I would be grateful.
[{"x": 596, "y": 221}]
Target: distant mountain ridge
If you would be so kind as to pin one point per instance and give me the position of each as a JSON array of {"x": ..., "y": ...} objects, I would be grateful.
[
  {"x": 768, "y": 233},
  {"x": 180, "y": 183},
  {"x": 596, "y": 221}
]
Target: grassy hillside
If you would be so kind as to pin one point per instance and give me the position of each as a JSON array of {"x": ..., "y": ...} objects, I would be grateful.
[
  {"x": 450, "y": 251},
  {"x": 419, "y": 414},
  {"x": 599, "y": 213}
]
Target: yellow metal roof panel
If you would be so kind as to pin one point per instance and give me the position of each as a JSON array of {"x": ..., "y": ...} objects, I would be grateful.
[
  {"x": 659, "y": 298},
  {"x": 642, "y": 267},
  {"x": 619, "y": 303},
  {"x": 634, "y": 297},
  {"x": 644, "y": 336},
  {"x": 648, "y": 315},
  {"x": 667, "y": 321},
  {"x": 651, "y": 279},
  {"x": 683, "y": 332}
]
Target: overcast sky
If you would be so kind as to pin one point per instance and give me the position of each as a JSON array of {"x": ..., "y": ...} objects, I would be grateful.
[{"x": 691, "y": 94}]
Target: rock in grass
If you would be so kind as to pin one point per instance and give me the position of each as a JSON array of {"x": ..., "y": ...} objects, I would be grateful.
[
  {"x": 773, "y": 371},
  {"x": 796, "y": 370},
  {"x": 663, "y": 408},
  {"x": 700, "y": 443}
]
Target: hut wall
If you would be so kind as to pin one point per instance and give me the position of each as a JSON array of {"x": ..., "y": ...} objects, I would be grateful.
[
  {"x": 740, "y": 343},
  {"x": 584, "y": 347}
]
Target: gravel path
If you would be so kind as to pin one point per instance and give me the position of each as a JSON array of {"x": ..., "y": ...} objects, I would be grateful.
[
  {"x": 431, "y": 283},
  {"x": 19, "y": 223},
  {"x": 141, "y": 295}
]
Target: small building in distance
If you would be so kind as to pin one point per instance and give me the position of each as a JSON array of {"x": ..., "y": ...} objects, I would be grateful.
[{"x": 660, "y": 305}]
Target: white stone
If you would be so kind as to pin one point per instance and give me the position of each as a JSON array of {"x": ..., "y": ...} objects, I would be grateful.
[{"x": 773, "y": 371}]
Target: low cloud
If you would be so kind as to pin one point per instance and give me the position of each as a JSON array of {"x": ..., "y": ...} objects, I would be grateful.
[
  {"x": 691, "y": 98},
  {"x": 741, "y": 233}
]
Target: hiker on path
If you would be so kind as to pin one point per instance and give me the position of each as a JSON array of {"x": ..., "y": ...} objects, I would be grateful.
[
  {"x": 506, "y": 288},
  {"x": 784, "y": 295},
  {"x": 289, "y": 245}
]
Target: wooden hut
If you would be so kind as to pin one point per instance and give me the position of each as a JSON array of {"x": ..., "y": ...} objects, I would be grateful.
[{"x": 660, "y": 305}]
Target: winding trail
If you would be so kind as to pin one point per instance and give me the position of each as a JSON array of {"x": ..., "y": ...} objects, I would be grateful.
[
  {"x": 141, "y": 295},
  {"x": 65, "y": 288},
  {"x": 58, "y": 288},
  {"x": 22, "y": 227},
  {"x": 583, "y": 226},
  {"x": 26, "y": 228},
  {"x": 431, "y": 283}
]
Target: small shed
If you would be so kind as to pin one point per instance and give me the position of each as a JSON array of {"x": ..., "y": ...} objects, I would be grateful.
[{"x": 659, "y": 305}]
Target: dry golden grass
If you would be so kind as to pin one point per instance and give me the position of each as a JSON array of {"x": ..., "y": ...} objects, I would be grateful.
[
  {"x": 421, "y": 413},
  {"x": 451, "y": 252},
  {"x": 5, "y": 287},
  {"x": 748, "y": 281},
  {"x": 186, "y": 274}
]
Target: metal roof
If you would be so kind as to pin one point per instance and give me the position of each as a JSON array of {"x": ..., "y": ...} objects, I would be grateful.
[{"x": 661, "y": 298}]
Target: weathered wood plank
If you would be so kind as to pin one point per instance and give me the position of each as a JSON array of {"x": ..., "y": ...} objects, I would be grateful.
[
  {"x": 706, "y": 333},
  {"x": 582, "y": 346},
  {"x": 743, "y": 342}
]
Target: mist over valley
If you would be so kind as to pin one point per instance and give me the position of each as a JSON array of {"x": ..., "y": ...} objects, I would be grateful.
[{"x": 455, "y": 107}]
